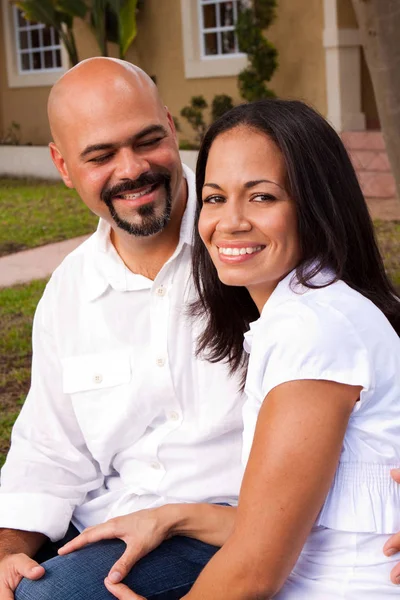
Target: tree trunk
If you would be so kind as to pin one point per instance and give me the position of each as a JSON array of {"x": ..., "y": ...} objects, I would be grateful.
[{"x": 379, "y": 24}]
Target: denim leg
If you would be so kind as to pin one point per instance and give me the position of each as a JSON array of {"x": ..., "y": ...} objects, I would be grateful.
[{"x": 167, "y": 573}]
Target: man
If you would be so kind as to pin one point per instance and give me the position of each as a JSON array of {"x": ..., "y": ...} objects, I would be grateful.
[{"x": 121, "y": 415}]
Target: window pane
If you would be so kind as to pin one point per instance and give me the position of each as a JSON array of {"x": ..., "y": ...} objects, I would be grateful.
[
  {"x": 25, "y": 66},
  {"x": 210, "y": 44},
  {"x": 35, "y": 38},
  {"x": 209, "y": 16},
  {"x": 21, "y": 20},
  {"x": 48, "y": 59},
  {"x": 58, "y": 58},
  {"x": 228, "y": 42},
  {"x": 46, "y": 37},
  {"x": 227, "y": 14},
  {"x": 23, "y": 40},
  {"x": 37, "y": 63},
  {"x": 56, "y": 37}
]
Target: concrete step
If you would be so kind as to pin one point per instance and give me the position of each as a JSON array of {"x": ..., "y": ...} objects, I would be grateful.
[{"x": 368, "y": 154}]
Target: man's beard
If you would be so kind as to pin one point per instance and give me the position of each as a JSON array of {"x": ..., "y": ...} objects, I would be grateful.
[{"x": 151, "y": 222}]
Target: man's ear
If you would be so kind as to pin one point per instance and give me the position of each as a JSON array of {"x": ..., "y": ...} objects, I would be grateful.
[
  {"x": 60, "y": 165},
  {"x": 171, "y": 123}
]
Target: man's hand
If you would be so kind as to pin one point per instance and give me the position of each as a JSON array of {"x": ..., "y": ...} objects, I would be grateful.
[
  {"x": 12, "y": 569},
  {"x": 393, "y": 544},
  {"x": 121, "y": 591},
  {"x": 141, "y": 531}
]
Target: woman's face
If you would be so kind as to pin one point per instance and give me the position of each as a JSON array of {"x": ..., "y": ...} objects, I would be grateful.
[{"x": 248, "y": 221}]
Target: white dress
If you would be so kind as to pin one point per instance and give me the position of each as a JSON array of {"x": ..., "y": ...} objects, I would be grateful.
[{"x": 334, "y": 333}]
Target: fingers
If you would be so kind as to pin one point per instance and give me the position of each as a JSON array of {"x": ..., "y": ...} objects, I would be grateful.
[
  {"x": 121, "y": 591},
  {"x": 395, "y": 574},
  {"x": 89, "y": 536},
  {"x": 121, "y": 568},
  {"x": 392, "y": 545},
  {"x": 24, "y": 566},
  {"x": 395, "y": 473},
  {"x": 13, "y": 568}
]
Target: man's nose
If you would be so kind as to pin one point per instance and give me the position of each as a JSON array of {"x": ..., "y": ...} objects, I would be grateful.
[{"x": 129, "y": 165}]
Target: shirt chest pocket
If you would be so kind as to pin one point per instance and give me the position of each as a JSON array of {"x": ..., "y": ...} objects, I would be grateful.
[
  {"x": 92, "y": 372},
  {"x": 100, "y": 389}
]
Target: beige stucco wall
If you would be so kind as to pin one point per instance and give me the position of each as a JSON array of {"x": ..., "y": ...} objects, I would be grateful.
[
  {"x": 2, "y": 74},
  {"x": 301, "y": 73},
  {"x": 25, "y": 106},
  {"x": 297, "y": 33}
]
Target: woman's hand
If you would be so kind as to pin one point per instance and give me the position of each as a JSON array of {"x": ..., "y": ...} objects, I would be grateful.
[
  {"x": 141, "y": 531},
  {"x": 392, "y": 546},
  {"x": 121, "y": 591}
]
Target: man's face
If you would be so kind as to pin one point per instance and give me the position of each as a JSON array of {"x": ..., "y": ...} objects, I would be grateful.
[{"x": 122, "y": 157}]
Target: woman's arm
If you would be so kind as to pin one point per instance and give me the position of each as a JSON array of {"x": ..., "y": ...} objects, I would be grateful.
[
  {"x": 144, "y": 530},
  {"x": 295, "y": 452}
]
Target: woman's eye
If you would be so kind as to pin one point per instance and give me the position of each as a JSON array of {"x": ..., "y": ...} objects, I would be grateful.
[
  {"x": 263, "y": 198},
  {"x": 213, "y": 199}
]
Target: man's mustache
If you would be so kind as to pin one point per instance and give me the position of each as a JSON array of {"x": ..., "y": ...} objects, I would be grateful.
[{"x": 130, "y": 185}]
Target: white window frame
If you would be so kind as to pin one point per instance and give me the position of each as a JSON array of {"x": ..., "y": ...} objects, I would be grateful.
[
  {"x": 218, "y": 29},
  {"x": 29, "y": 28},
  {"x": 197, "y": 64},
  {"x": 16, "y": 77}
]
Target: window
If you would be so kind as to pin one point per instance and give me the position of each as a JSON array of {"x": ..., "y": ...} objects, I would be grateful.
[
  {"x": 217, "y": 23},
  {"x": 38, "y": 46},
  {"x": 34, "y": 55},
  {"x": 210, "y": 45}
]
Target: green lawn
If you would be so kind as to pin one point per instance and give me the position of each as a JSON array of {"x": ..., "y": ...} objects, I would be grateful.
[
  {"x": 17, "y": 306},
  {"x": 33, "y": 213}
]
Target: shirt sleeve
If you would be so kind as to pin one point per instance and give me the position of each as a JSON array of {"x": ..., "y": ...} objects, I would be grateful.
[
  {"x": 48, "y": 470},
  {"x": 318, "y": 342}
]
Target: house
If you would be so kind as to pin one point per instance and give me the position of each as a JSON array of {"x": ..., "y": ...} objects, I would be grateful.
[{"x": 189, "y": 47}]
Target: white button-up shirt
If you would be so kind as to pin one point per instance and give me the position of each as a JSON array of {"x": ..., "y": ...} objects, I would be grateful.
[{"x": 121, "y": 415}]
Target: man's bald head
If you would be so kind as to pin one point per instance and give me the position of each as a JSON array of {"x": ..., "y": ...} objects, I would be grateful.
[
  {"x": 115, "y": 142},
  {"x": 93, "y": 81}
]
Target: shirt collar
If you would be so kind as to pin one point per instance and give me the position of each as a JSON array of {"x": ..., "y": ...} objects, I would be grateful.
[
  {"x": 286, "y": 289},
  {"x": 107, "y": 268}
]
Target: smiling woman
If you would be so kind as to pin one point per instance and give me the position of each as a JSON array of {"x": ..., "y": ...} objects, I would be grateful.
[{"x": 286, "y": 255}]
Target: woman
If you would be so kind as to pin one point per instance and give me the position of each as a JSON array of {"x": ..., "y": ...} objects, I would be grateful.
[{"x": 286, "y": 241}]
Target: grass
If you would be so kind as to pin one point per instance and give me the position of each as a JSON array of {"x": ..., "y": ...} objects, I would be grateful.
[
  {"x": 33, "y": 213},
  {"x": 17, "y": 305}
]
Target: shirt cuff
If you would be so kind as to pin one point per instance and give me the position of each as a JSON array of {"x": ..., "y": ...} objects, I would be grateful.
[{"x": 35, "y": 512}]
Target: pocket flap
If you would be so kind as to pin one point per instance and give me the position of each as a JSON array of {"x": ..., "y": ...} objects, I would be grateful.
[{"x": 96, "y": 371}]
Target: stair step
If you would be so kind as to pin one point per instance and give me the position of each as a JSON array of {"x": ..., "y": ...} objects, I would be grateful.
[{"x": 368, "y": 155}]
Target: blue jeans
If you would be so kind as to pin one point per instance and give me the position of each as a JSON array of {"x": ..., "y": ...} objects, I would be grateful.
[{"x": 167, "y": 573}]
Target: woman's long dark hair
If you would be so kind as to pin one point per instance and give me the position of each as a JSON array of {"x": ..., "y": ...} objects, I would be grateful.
[{"x": 335, "y": 229}]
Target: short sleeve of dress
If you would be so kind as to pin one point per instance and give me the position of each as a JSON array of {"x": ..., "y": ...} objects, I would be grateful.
[{"x": 308, "y": 341}]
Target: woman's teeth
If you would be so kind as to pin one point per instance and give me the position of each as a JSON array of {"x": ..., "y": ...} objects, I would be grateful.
[{"x": 239, "y": 251}]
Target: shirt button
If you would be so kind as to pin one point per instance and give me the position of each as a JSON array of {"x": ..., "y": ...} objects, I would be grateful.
[
  {"x": 174, "y": 416},
  {"x": 155, "y": 465},
  {"x": 161, "y": 291},
  {"x": 160, "y": 362},
  {"x": 98, "y": 378}
]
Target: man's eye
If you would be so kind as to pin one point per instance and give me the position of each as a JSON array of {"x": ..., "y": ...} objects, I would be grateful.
[
  {"x": 151, "y": 142},
  {"x": 100, "y": 159}
]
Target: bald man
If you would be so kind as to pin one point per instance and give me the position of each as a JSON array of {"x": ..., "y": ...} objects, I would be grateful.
[{"x": 121, "y": 416}]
